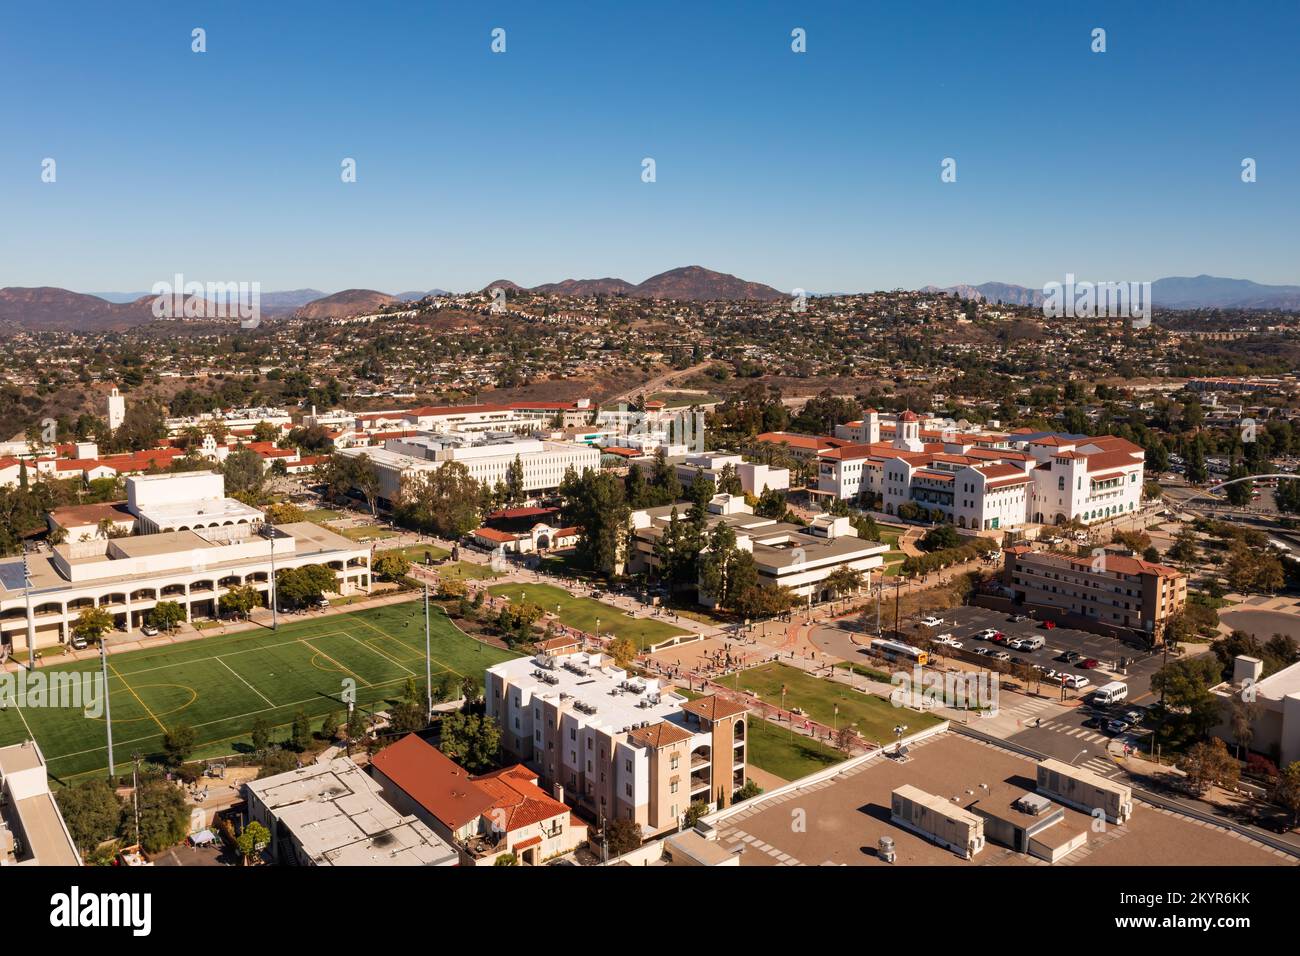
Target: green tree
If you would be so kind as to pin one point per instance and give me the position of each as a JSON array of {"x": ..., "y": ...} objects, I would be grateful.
[
  {"x": 261, "y": 734},
  {"x": 166, "y": 615},
  {"x": 472, "y": 740},
  {"x": 92, "y": 623},
  {"x": 251, "y": 840},
  {"x": 178, "y": 744},
  {"x": 391, "y": 566},
  {"x": 301, "y": 738},
  {"x": 92, "y": 812},
  {"x": 164, "y": 816}
]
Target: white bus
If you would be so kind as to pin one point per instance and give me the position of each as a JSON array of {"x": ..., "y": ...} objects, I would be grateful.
[
  {"x": 895, "y": 650},
  {"x": 1111, "y": 693}
]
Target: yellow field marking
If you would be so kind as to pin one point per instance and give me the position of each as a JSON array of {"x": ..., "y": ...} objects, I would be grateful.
[
  {"x": 137, "y": 697},
  {"x": 247, "y": 650},
  {"x": 335, "y": 663},
  {"x": 194, "y": 695},
  {"x": 218, "y": 720},
  {"x": 375, "y": 650}
]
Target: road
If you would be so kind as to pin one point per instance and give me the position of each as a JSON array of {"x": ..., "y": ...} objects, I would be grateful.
[{"x": 656, "y": 384}]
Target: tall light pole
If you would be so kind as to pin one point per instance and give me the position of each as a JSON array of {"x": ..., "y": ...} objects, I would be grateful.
[
  {"x": 108, "y": 714},
  {"x": 275, "y": 598},
  {"x": 428, "y": 665}
]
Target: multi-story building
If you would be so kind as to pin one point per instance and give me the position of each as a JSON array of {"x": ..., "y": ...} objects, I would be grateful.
[
  {"x": 1274, "y": 711},
  {"x": 32, "y": 830},
  {"x": 616, "y": 746},
  {"x": 192, "y": 545},
  {"x": 754, "y": 478},
  {"x": 1108, "y": 588},
  {"x": 785, "y": 555},
  {"x": 984, "y": 481},
  {"x": 487, "y": 459}
]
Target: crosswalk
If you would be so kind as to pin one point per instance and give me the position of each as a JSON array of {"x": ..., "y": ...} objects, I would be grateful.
[{"x": 1027, "y": 708}]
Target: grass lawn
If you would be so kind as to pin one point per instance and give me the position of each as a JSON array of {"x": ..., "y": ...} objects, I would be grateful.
[
  {"x": 321, "y": 515},
  {"x": 869, "y": 672},
  {"x": 467, "y": 570},
  {"x": 874, "y": 716},
  {"x": 583, "y": 613},
  {"x": 416, "y": 552},
  {"x": 365, "y": 533},
  {"x": 219, "y": 685},
  {"x": 789, "y": 756}
]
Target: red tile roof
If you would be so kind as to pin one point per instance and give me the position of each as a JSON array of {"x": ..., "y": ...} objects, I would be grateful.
[{"x": 433, "y": 780}]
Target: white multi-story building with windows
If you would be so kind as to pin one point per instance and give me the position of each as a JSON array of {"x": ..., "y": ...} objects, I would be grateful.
[
  {"x": 487, "y": 459},
  {"x": 188, "y": 550},
  {"x": 985, "y": 482}
]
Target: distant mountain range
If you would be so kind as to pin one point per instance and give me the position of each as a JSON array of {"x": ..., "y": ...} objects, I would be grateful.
[
  {"x": 1171, "y": 292},
  {"x": 47, "y": 307},
  {"x": 693, "y": 283}
]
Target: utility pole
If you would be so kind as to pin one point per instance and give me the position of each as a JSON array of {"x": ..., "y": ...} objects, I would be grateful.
[
  {"x": 428, "y": 665},
  {"x": 135, "y": 794},
  {"x": 108, "y": 715}
]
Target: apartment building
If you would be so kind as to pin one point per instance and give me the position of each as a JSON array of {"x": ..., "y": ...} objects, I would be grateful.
[
  {"x": 513, "y": 417},
  {"x": 616, "y": 746},
  {"x": 798, "y": 557},
  {"x": 487, "y": 460},
  {"x": 1108, "y": 588},
  {"x": 192, "y": 544}
]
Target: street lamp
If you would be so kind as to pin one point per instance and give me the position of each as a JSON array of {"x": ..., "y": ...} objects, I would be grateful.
[{"x": 1078, "y": 755}]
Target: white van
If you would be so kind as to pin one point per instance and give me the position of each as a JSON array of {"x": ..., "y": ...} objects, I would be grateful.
[{"x": 1111, "y": 693}]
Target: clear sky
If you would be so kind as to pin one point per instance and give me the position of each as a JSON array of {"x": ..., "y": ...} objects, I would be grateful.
[{"x": 818, "y": 170}]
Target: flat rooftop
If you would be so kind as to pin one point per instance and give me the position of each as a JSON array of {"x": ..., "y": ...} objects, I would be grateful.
[
  {"x": 204, "y": 512},
  {"x": 848, "y": 815},
  {"x": 600, "y": 686},
  {"x": 299, "y": 539},
  {"x": 1282, "y": 684},
  {"x": 336, "y": 813}
]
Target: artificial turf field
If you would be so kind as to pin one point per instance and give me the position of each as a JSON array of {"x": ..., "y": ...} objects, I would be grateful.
[{"x": 219, "y": 685}]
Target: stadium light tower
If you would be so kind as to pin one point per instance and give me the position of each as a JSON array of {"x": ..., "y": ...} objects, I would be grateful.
[
  {"x": 108, "y": 715},
  {"x": 428, "y": 666}
]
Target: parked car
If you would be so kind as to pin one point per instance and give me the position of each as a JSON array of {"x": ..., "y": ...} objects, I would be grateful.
[
  {"x": 1017, "y": 618},
  {"x": 998, "y": 638},
  {"x": 1070, "y": 657},
  {"x": 986, "y": 634},
  {"x": 323, "y": 604},
  {"x": 149, "y": 631},
  {"x": 931, "y": 621},
  {"x": 1134, "y": 716},
  {"x": 983, "y": 651},
  {"x": 1089, "y": 663},
  {"x": 949, "y": 640},
  {"x": 1001, "y": 656},
  {"x": 77, "y": 642},
  {"x": 1076, "y": 681},
  {"x": 1116, "y": 727}
]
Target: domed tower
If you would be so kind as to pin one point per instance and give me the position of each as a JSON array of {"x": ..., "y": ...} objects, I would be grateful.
[{"x": 907, "y": 433}]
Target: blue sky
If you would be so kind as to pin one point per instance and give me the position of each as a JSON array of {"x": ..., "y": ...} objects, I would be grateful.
[{"x": 817, "y": 170}]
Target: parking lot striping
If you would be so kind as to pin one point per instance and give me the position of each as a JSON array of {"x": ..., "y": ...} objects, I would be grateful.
[{"x": 246, "y": 683}]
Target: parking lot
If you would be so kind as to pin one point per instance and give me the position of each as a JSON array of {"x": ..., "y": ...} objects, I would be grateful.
[{"x": 1116, "y": 660}]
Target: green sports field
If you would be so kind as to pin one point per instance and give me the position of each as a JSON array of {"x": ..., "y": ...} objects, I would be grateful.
[{"x": 219, "y": 685}]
